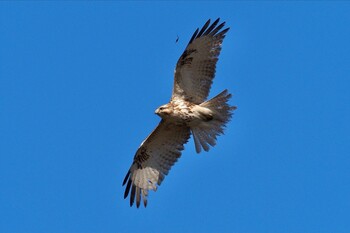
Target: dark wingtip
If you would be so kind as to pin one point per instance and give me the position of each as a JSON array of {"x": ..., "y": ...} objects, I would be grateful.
[
  {"x": 126, "y": 178},
  {"x": 205, "y": 26},
  {"x": 217, "y": 20},
  {"x": 212, "y": 26},
  {"x": 211, "y": 30},
  {"x": 127, "y": 189},
  {"x": 223, "y": 32},
  {"x": 194, "y": 36}
]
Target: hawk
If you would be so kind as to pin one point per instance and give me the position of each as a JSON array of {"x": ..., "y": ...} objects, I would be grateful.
[{"x": 188, "y": 112}]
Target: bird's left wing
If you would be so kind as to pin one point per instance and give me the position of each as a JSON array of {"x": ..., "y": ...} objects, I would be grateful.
[{"x": 153, "y": 160}]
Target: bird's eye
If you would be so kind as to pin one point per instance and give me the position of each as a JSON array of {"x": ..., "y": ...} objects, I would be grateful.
[{"x": 161, "y": 108}]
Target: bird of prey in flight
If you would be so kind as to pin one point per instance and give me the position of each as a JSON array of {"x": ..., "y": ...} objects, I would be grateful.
[{"x": 188, "y": 112}]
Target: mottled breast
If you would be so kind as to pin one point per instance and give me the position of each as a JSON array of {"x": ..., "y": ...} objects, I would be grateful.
[{"x": 182, "y": 110}]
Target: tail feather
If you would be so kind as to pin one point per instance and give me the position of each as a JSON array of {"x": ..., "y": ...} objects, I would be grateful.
[
  {"x": 205, "y": 133},
  {"x": 203, "y": 140}
]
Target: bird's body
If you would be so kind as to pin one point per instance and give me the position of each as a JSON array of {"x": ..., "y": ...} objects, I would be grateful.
[
  {"x": 177, "y": 111},
  {"x": 184, "y": 112},
  {"x": 187, "y": 113}
]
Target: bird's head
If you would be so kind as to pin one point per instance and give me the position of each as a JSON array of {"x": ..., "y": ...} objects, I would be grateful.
[{"x": 163, "y": 110}]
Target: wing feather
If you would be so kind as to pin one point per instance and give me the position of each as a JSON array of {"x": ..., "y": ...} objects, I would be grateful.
[
  {"x": 153, "y": 160},
  {"x": 195, "y": 69},
  {"x": 203, "y": 28},
  {"x": 193, "y": 36},
  {"x": 212, "y": 27}
]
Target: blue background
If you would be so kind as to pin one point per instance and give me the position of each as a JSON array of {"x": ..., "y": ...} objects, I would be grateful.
[{"x": 79, "y": 83}]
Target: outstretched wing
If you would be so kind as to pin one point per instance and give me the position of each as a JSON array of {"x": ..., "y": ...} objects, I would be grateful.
[
  {"x": 195, "y": 69},
  {"x": 153, "y": 160}
]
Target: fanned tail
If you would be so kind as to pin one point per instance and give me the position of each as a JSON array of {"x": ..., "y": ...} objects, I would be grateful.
[{"x": 205, "y": 133}]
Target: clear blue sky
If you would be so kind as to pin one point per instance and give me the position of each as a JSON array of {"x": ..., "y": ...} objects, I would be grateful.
[{"x": 79, "y": 83}]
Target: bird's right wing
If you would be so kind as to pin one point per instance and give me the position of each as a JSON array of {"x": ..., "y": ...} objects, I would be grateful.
[
  {"x": 195, "y": 69},
  {"x": 153, "y": 160}
]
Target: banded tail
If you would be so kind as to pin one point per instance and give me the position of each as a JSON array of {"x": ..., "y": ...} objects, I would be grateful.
[{"x": 205, "y": 133}]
